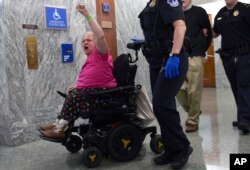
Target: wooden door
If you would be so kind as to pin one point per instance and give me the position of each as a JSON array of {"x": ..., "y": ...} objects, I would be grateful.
[
  {"x": 209, "y": 66},
  {"x": 107, "y": 22}
]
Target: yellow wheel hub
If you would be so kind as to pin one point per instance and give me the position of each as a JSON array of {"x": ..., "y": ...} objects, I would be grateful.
[
  {"x": 126, "y": 142},
  {"x": 92, "y": 157},
  {"x": 160, "y": 145}
]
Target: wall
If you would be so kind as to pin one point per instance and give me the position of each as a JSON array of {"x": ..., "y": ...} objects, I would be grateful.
[
  {"x": 4, "y": 106},
  {"x": 128, "y": 26}
]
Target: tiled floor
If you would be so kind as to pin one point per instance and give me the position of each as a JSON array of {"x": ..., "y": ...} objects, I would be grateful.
[{"x": 212, "y": 144}]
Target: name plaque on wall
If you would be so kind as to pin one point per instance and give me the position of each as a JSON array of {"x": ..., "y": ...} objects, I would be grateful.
[
  {"x": 31, "y": 50},
  {"x": 30, "y": 26},
  {"x": 106, "y": 24}
]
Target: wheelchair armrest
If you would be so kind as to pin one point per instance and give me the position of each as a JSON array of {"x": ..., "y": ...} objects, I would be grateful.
[
  {"x": 61, "y": 94},
  {"x": 118, "y": 89}
]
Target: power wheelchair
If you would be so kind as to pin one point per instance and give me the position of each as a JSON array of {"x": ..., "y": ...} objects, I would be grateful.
[{"x": 114, "y": 128}]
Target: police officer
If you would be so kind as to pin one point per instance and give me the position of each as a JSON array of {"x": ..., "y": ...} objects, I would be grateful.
[
  {"x": 232, "y": 22},
  {"x": 163, "y": 26}
]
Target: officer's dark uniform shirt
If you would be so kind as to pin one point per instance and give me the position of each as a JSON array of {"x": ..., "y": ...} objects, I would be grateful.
[
  {"x": 197, "y": 19},
  {"x": 231, "y": 23},
  {"x": 168, "y": 11}
]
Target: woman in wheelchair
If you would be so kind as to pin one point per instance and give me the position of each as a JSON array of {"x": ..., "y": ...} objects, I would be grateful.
[{"x": 96, "y": 73}]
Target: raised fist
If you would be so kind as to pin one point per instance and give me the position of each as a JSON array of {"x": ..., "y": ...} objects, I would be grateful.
[{"x": 82, "y": 9}]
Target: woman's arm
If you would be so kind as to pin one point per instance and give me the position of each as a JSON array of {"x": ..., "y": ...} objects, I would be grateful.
[
  {"x": 179, "y": 33},
  {"x": 101, "y": 43}
]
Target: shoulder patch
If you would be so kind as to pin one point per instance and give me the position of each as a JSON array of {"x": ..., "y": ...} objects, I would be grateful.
[
  {"x": 173, "y": 3},
  {"x": 246, "y": 5}
]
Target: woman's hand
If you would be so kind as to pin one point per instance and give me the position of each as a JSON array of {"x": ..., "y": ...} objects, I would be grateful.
[
  {"x": 71, "y": 87},
  {"x": 82, "y": 9}
]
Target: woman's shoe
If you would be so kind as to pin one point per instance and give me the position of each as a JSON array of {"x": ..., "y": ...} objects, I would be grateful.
[
  {"x": 58, "y": 131},
  {"x": 47, "y": 127},
  {"x": 53, "y": 134}
]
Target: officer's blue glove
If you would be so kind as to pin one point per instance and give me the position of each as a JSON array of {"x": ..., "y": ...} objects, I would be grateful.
[
  {"x": 137, "y": 39},
  {"x": 171, "y": 67}
]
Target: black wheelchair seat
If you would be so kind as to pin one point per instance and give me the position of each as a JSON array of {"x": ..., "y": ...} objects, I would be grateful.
[{"x": 124, "y": 72}]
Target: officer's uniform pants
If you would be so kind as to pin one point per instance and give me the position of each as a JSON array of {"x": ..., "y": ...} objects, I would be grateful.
[
  {"x": 238, "y": 73},
  {"x": 190, "y": 93},
  {"x": 155, "y": 64},
  {"x": 164, "y": 106}
]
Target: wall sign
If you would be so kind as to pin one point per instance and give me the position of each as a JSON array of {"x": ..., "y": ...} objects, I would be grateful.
[
  {"x": 56, "y": 18},
  {"x": 106, "y": 7},
  {"x": 67, "y": 53}
]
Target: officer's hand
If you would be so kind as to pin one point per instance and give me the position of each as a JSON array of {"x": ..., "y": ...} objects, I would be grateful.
[{"x": 171, "y": 67}]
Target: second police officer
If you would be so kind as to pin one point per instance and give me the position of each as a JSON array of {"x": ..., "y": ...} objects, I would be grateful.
[{"x": 232, "y": 22}]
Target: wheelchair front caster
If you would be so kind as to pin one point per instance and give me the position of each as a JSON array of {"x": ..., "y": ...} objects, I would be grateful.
[
  {"x": 73, "y": 144},
  {"x": 92, "y": 157},
  {"x": 156, "y": 144}
]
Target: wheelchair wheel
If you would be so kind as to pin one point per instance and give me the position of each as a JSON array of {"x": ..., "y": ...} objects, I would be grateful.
[
  {"x": 156, "y": 144},
  {"x": 92, "y": 157},
  {"x": 73, "y": 143},
  {"x": 125, "y": 142}
]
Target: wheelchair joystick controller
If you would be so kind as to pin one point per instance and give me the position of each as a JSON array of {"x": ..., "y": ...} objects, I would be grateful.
[{"x": 136, "y": 45}]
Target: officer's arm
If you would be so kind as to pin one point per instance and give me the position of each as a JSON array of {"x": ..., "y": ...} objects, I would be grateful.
[
  {"x": 215, "y": 35},
  {"x": 215, "y": 31},
  {"x": 206, "y": 27},
  {"x": 179, "y": 33}
]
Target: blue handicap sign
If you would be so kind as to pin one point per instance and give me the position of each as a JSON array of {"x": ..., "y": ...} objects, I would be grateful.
[
  {"x": 67, "y": 53},
  {"x": 56, "y": 18}
]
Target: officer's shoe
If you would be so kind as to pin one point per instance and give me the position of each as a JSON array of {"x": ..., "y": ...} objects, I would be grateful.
[
  {"x": 235, "y": 123},
  {"x": 180, "y": 159},
  {"x": 245, "y": 128},
  {"x": 163, "y": 159}
]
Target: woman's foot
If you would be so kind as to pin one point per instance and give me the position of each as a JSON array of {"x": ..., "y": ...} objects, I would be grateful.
[
  {"x": 47, "y": 127},
  {"x": 58, "y": 131}
]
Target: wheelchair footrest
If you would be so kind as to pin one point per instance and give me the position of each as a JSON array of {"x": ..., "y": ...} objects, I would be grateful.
[
  {"x": 60, "y": 140},
  {"x": 151, "y": 129}
]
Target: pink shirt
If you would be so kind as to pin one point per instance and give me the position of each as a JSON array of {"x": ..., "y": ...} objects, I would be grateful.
[{"x": 97, "y": 72}]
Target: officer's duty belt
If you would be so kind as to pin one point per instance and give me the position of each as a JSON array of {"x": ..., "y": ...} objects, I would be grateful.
[{"x": 241, "y": 50}]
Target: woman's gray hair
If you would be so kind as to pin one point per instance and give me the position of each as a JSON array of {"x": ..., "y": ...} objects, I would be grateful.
[{"x": 90, "y": 33}]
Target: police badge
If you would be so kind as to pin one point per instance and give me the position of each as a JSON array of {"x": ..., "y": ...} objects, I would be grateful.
[
  {"x": 236, "y": 13},
  {"x": 173, "y": 3}
]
